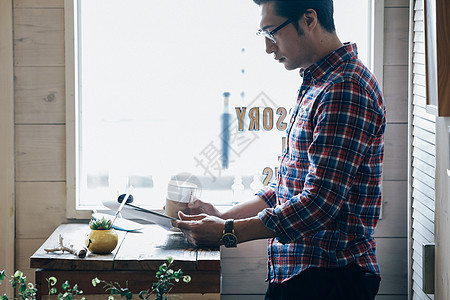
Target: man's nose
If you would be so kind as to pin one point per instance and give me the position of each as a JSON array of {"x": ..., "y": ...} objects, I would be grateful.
[{"x": 270, "y": 46}]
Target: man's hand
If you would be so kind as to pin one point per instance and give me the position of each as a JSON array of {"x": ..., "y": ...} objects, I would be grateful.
[
  {"x": 198, "y": 206},
  {"x": 201, "y": 230}
]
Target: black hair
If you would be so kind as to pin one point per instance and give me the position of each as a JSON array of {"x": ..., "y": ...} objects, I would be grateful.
[{"x": 294, "y": 10}]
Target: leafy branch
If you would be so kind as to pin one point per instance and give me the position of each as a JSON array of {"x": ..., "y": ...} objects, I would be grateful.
[
  {"x": 23, "y": 290},
  {"x": 68, "y": 292},
  {"x": 160, "y": 288}
]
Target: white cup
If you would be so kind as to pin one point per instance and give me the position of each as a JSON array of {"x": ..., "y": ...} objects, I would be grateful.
[{"x": 179, "y": 194}]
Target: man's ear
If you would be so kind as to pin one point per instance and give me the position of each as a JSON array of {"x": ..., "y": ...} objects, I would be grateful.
[{"x": 310, "y": 18}]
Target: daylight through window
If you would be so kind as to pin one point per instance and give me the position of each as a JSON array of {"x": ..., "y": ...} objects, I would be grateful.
[{"x": 151, "y": 78}]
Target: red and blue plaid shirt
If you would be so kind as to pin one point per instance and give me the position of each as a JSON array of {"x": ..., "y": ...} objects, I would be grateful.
[{"x": 325, "y": 202}]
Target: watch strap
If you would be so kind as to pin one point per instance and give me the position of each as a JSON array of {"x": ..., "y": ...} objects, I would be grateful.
[{"x": 229, "y": 226}]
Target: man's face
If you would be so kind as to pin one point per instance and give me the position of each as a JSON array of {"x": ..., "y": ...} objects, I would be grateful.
[{"x": 291, "y": 49}]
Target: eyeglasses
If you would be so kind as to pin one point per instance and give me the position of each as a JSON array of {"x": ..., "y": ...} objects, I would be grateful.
[{"x": 269, "y": 34}]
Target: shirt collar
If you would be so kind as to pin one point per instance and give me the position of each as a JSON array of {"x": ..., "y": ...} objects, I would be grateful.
[{"x": 328, "y": 63}]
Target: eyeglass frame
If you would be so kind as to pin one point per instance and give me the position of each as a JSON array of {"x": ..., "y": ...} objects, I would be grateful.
[{"x": 269, "y": 34}]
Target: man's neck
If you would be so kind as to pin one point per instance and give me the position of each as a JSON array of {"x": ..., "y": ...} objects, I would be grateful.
[{"x": 327, "y": 44}]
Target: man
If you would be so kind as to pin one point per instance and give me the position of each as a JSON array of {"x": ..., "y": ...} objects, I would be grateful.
[{"x": 320, "y": 212}]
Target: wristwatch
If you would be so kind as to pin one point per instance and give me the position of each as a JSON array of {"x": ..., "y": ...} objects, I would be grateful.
[{"x": 229, "y": 238}]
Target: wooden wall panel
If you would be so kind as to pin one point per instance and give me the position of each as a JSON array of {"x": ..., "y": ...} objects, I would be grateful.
[
  {"x": 7, "y": 211},
  {"x": 396, "y": 3},
  {"x": 42, "y": 205},
  {"x": 40, "y": 153},
  {"x": 25, "y": 248},
  {"x": 38, "y": 3},
  {"x": 244, "y": 269},
  {"x": 394, "y": 220},
  {"x": 39, "y": 37},
  {"x": 39, "y": 103},
  {"x": 395, "y": 147},
  {"x": 396, "y": 98},
  {"x": 40, "y": 95},
  {"x": 392, "y": 257},
  {"x": 391, "y": 235},
  {"x": 396, "y": 36}
]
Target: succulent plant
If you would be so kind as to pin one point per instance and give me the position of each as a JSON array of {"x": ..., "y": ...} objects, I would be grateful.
[{"x": 100, "y": 224}]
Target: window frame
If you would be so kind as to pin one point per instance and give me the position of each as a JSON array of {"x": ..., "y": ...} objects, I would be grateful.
[{"x": 376, "y": 17}]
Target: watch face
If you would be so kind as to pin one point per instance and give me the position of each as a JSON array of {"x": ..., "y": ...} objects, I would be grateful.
[{"x": 229, "y": 240}]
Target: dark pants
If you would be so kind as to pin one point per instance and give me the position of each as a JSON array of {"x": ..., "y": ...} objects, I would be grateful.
[{"x": 348, "y": 283}]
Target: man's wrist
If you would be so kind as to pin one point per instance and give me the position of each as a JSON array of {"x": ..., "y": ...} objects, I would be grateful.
[
  {"x": 251, "y": 229},
  {"x": 229, "y": 238}
]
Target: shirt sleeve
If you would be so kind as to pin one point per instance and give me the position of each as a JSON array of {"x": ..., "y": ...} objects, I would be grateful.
[
  {"x": 268, "y": 194},
  {"x": 345, "y": 124}
]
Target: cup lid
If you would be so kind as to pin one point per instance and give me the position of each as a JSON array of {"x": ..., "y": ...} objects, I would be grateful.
[{"x": 180, "y": 191}]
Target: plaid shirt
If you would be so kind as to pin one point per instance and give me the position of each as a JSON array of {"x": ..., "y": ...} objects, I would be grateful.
[{"x": 325, "y": 202}]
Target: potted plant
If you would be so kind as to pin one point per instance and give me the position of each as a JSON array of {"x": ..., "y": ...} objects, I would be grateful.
[{"x": 102, "y": 238}]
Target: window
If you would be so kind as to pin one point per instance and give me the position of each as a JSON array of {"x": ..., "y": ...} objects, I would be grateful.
[{"x": 147, "y": 88}]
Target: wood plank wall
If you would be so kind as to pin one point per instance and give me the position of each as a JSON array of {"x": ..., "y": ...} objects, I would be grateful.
[
  {"x": 423, "y": 157},
  {"x": 391, "y": 235},
  {"x": 7, "y": 199},
  {"x": 40, "y": 142},
  {"x": 39, "y": 124}
]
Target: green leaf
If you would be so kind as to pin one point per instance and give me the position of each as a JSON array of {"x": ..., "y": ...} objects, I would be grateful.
[
  {"x": 170, "y": 260},
  {"x": 52, "y": 280},
  {"x": 143, "y": 295},
  {"x": 22, "y": 288},
  {"x": 65, "y": 285},
  {"x": 95, "y": 281},
  {"x": 53, "y": 291},
  {"x": 187, "y": 278},
  {"x": 68, "y": 296},
  {"x": 2, "y": 275},
  {"x": 18, "y": 274},
  {"x": 123, "y": 291},
  {"x": 129, "y": 295},
  {"x": 163, "y": 268},
  {"x": 4, "y": 297}
]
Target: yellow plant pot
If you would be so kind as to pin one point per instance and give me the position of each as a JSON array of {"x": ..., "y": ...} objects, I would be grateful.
[{"x": 102, "y": 241}]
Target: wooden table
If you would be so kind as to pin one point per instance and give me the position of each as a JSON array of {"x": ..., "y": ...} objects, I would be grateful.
[{"x": 135, "y": 260}]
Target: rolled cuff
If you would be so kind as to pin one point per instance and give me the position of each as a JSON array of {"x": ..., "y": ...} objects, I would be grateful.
[
  {"x": 268, "y": 194},
  {"x": 269, "y": 217}
]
